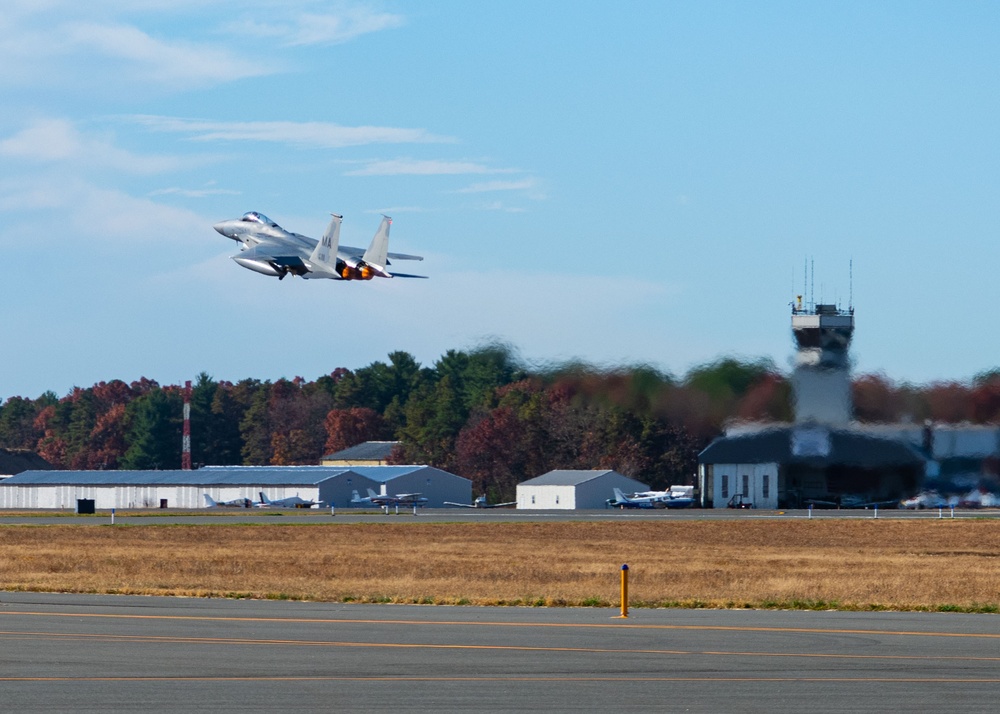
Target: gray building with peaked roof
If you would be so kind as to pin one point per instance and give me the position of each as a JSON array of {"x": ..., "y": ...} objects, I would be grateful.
[
  {"x": 435, "y": 485},
  {"x": 369, "y": 453},
  {"x": 795, "y": 465},
  {"x": 574, "y": 489}
]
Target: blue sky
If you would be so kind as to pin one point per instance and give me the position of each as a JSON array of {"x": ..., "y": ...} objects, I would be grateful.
[{"x": 639, "y": 182}]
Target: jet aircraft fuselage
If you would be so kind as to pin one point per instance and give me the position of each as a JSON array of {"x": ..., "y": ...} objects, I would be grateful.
[{"x": 267, "y": 248}]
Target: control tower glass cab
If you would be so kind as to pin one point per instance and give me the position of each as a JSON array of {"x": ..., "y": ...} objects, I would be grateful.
[{"x": 822, "y": 376}]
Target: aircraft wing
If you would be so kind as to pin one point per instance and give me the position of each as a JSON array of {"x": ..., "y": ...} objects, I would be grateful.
[
  {"x": 352, "y": 252},
  {"x": 271, "y": 250},
  {"x": 360, "y": 252}
]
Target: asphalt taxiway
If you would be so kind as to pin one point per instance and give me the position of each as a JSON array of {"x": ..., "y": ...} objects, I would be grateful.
[
  {"x": 108, "y": 653},
  {"x": 459, "y": 515}
]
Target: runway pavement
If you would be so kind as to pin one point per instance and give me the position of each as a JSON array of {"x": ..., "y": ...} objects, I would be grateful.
[
  {"x": 459, "y": 515},
  {"x": 89, "y": 653}
]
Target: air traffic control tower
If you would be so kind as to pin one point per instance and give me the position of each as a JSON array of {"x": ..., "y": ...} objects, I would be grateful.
[{"x": 821, "y": 381}]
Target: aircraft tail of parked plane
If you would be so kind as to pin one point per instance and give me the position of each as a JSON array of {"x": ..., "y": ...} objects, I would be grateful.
[
  {"x": 480, "y": 503},
  {"x": 648, "y": 499},
  {"x": 290, "y": 502},
  {"x": 357, "y": 500},
  {"x": 398, "y": 499},
  {"x": 235, "y": 503}
]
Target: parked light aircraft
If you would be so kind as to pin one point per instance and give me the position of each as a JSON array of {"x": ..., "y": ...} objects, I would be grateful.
[
  {"x": 358, "y": 500},
  {"x": 235, "y": 503},
  {"x": 384, "y": 500},
  {"x": 851, "y": 500},
  {"x": 927, "y": 499},
  {"x": 290, "y": 502},
  {"x": 643, "y": 499},
  {"x": 480, "y": 503},
  {"x": 269, "y": 249},
  {"x": 653, "y": 499}
]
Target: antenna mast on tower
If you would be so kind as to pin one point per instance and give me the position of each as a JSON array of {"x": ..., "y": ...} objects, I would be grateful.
[
  {"x": 850, "y": 278},
  {"x": 186, "y": 440}
]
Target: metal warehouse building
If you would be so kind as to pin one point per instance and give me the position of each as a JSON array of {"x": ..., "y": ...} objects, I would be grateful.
[
  {"x": 574, "y": 489},
  {"x": 434, "y": 484},
  {"x": 791, "y": 466},
  {"x": 185, "y": 489}
]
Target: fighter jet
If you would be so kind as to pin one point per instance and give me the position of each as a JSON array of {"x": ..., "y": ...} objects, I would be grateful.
[{"x": 269, "y": 249}]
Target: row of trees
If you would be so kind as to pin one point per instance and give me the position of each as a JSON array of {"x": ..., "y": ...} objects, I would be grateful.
[{"x": 480, "y": 413}]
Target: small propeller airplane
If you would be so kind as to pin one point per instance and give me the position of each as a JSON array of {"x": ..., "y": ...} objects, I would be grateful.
[
  {"x": 235, "y": 503},
  {"x": 480, "y": 503},
  {"x": 644, "y": 499},
  {"x": 385, "y": 500},
  {"x": 290, "y": 502},
  {"x": 269, "y": 249},
  {"x": 675, "y": 497}
]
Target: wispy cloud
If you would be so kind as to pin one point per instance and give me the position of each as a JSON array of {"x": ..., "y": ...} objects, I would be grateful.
[
  {"x": 96, "y": 216},
  {"x": 315, "y": 29},
  {"x": 488, "y": 186},
  {"x": 80, "y": 53},
  {"x": 315, "y": 134},
  {"x": 58, "y": 140},
  {"x": 525, "y": 188},
  {"x": 169, "y": 62},
  {"x": 396, "y": 209},
  {"x": 193, "y": 192},
  {"x": 428, "y": 167},
  {"x": 501, "y": 206}
]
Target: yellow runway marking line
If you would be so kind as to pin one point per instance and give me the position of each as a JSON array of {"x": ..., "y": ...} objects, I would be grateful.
[
  {"x": 460, "y": 623},
  {"x": 334, "y": 678},
  {"x": 169, "y": 639}
]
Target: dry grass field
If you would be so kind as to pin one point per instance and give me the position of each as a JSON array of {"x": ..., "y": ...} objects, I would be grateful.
[{"x": 866, "y": 564}]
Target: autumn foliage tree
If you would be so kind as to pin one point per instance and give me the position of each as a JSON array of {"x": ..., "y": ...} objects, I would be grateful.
[
  {"x": 348, "y": 427},
  {"x": 479, "y": 413}
]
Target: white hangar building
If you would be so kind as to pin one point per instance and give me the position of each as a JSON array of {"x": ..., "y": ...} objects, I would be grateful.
[
  {"x": 574, "y": 489},
  {"x": 185, "y": 489}
]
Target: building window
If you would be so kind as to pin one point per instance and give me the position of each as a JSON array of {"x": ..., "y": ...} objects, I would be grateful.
[
  {"x": 746, "y": 486},
  {"x": 532, "y": 499},
  {"x": 725, "y": 485},
  {"x": 765, "y": 487},
  {"x": 557, "y": 499}
]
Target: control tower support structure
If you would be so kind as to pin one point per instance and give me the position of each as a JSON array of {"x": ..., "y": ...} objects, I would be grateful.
[{"x": 821, "y": 380}]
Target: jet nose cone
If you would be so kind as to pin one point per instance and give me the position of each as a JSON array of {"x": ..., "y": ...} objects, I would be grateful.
[{"x": 221, "y": 227}]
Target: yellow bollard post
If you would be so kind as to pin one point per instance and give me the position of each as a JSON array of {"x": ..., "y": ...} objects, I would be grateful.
[{"x": 624, "y": 590}]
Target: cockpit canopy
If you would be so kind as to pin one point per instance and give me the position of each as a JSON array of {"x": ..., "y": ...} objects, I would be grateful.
[{"x": 254, "y": 217}]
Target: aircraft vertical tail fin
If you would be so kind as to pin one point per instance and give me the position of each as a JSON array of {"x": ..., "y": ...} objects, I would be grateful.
[
  {"x": 619, "y": 495},
  {"x": 210, "y": 502},
  {"x": 324, "y": 254},
  {"x": 378, "y": 252},
  {"x": 264, "y": 499},
  {"x": 371, "y": 494}
]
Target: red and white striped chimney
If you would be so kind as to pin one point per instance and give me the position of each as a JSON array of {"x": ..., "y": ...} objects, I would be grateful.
[{"x": 186, "y": 441}]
